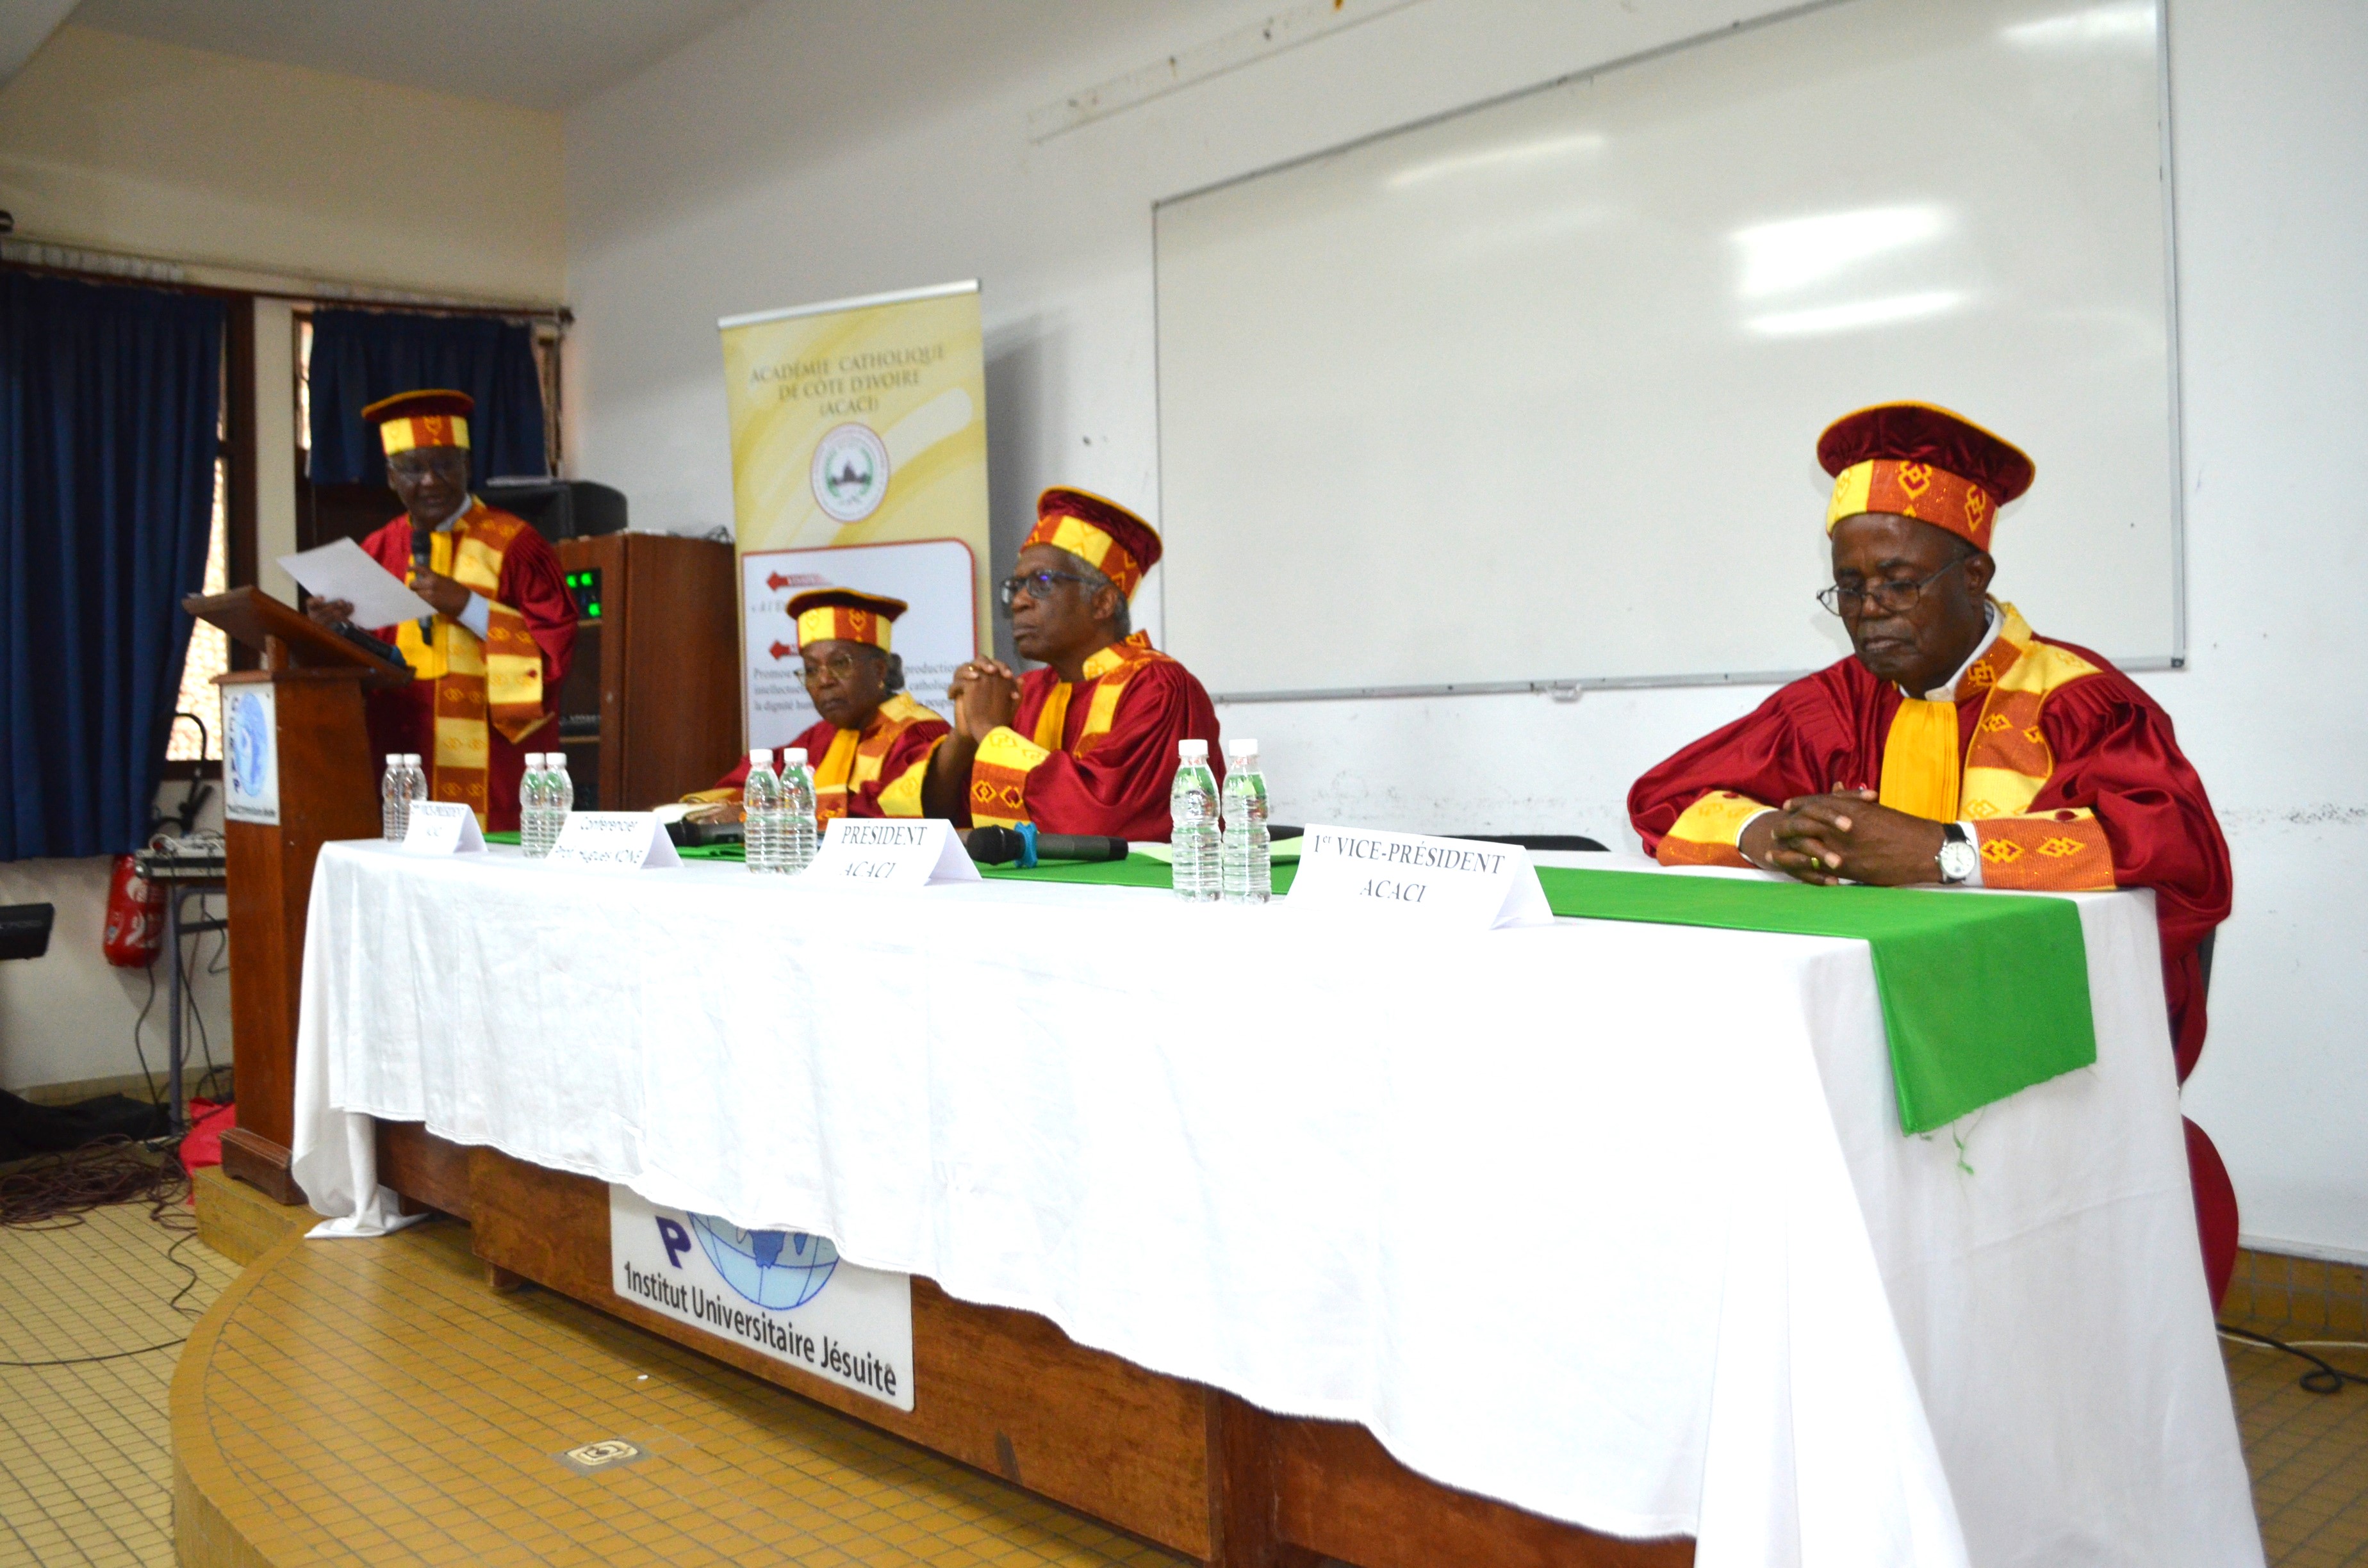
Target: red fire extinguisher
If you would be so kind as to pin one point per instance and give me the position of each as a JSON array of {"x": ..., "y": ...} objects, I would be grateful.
[{"x": 135, "y": 917}]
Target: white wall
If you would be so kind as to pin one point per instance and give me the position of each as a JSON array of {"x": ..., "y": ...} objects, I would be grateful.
[
  {"x": 68, "y": 1016},
  {"x": 127, "y": 144},
  {"x": 907, "y": 162}
]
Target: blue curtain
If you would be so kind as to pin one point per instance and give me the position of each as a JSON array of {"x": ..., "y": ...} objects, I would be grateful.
[
  {"x": 109, "y": 402},
  {"x": 359, "y": 356}
]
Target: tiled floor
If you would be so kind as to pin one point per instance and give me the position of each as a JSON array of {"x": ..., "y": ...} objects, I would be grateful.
[
  {"x": 374, "y": 1401},
  {"x": 85, "y": 1456},
  {"x": 734, "y": 1471}
]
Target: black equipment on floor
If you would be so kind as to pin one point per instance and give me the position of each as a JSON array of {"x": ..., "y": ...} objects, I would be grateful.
[{"x": 25, "y": 929}]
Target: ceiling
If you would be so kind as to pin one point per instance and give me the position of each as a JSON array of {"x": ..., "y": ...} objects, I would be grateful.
[{"x": 542, "y": 54}]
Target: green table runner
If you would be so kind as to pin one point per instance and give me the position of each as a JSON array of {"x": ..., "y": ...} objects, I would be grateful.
[{"x": 1982, "y": 996}]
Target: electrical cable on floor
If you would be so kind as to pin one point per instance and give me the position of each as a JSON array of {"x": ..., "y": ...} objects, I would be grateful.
[
  {"x": 54, "y": 1192},
  {"x": 2324, "y": 1376}
]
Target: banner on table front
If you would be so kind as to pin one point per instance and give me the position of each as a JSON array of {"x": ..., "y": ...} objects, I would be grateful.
[
  {"x": 936, "y": 577},
  {"x": 784, "y": 1294},
  {"x": 857, "y": 424}
]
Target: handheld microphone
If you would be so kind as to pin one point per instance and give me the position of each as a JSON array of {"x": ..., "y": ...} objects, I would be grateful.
[
  {"x": 422, "y": 558},
  {"x": 1025, "y": 845}
]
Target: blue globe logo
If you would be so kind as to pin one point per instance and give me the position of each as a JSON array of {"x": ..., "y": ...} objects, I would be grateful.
[
  {"x": 776, "y": 1270},
  {"x": 250, "y": 745}
]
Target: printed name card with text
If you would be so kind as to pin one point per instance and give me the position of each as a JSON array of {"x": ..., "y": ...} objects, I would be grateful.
[
  {"x": 901, "y": 853},
  {"x": 613, "y": 841},
  {"x": 442, "y": 827},
  {"x": 1459, "y": 882}
]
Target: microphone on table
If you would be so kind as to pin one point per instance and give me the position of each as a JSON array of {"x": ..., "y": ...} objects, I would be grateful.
[{"x": 1024, "y": 846}]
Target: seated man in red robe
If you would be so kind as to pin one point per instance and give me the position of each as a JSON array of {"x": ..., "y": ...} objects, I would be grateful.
[
  {"x": 1086, "y": 745},
  {"x": 487, "y": 666},
  {"x": 1956, "y": 744},
  {"x": 873, "y": 746}
]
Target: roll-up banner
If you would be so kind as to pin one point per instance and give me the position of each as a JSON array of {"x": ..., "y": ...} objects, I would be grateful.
[{"x": 859, "y": 461}]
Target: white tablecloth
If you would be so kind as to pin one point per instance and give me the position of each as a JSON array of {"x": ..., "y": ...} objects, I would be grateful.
[{"x": 1612, "y": 1221}]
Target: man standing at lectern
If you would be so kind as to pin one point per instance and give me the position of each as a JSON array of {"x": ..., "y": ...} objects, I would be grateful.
[
  {"x": 1957, "y": 745},
  {"x": 1087, "y": 744},
  {"x": 486, "y": 665}
]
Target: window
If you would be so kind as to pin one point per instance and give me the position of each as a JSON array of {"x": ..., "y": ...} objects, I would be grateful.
[{"x": 208, "y": 653}]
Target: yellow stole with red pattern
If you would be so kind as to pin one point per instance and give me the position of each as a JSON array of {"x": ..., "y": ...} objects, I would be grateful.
[
  {"x": 495, "y": 682},
  {"x": 2003, "y": 767},
  {"x": 855, "y": 758},
  {"x": 998, "y": 776}
]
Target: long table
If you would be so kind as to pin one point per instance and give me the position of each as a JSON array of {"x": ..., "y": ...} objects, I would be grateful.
[{"x": 1604, "y": 1223}]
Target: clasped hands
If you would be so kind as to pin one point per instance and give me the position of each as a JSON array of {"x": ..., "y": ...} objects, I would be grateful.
[
  {"x": 445, "y": 595},
  {"x": 1843, "y": 835},
  {"x": 986, "y": 695}
]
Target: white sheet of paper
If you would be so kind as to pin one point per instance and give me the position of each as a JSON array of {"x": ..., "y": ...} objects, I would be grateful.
[
  {"x": 890, "y": 853},
  {"x": 443, "y": 827},
  {"x": 1464, "y": 882},
  {"x": 343, "y": 570},
  {"x": 613, "y": 841}
]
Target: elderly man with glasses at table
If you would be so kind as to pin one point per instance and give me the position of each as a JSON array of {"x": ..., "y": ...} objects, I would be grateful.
[
  {"x": 1087, "y": 744},
  {"x": 1957, "y": 745},
  {"x": 872, "y": 748}
]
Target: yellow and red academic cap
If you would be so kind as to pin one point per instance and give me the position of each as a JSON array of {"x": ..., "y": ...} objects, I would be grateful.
[
  {"x": 824, "y": 614},
  {"x": 1923, "y": 462},
  {"x": 436, "y": 418},
  {"x": 1101, "y": 533}
]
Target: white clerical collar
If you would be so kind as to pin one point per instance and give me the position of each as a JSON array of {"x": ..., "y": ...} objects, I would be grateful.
[{"x": 1947, "y": 690}]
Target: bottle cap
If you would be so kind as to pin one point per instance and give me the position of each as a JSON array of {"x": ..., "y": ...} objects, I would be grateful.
[
  {"x": 412, "y": 757},
  {"x": 533, "y": 760},
  {"x": 394, "y": 759},
  {"x": 1193, "y": 751},
  {"x": 1240, "y": 743},
  {"x": 793, "y": 756},
  {"x": 763, "y": 754}
]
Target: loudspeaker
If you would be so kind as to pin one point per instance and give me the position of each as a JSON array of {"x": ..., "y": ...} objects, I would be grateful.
[{"x": 559, "y": 508}]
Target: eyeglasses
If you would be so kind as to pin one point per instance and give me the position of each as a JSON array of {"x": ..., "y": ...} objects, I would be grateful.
[
  {"x": 839, "y": 667},
  {"x": 1035, "y": 585},
  {"x": 428, "y": 459},
  {"x": 1890, "y": 597}
]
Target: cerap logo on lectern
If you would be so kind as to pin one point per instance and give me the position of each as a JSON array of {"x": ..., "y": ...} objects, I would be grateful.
[{"x": 785, "y": 1294}]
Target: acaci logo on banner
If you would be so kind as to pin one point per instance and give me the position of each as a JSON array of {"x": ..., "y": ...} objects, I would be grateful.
[{"x": 785, "y": 1294}]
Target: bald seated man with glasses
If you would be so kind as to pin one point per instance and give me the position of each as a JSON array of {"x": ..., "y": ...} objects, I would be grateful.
[
  {"x": 1956, "y": 746},
  {"x": 1086, "y": 745},
  {"x": 872, "y": 748}
]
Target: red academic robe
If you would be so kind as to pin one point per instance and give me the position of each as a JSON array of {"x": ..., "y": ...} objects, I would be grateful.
[
  {"x": 528, "y": 580},
  {"x": 1098, "y": 756},
  {"x": 873, "y": 772},
  {"x": 2116, "y": 805}
]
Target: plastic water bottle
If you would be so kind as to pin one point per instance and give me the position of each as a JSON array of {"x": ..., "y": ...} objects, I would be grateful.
[
  {"x": 799, "y": 837},
  {"x": 1192, "y": 811},
  {"x": 418, "y": 774},
  {"x": 1247, "y": 875},
  {"x": 531, "y": 812},
  {"x": 760, "y": 803},
  {"x": 394, "y": 799},
  {"x": 558, "y": 797}
]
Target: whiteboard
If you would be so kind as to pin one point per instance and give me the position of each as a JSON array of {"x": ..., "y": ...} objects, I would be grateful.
[{"x": 1530, "y": 395}]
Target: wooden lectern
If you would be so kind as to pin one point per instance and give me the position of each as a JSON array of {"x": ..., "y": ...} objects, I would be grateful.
[{"x": 323, "y": 786}]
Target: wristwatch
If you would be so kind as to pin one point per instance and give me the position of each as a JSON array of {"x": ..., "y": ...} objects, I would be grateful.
[{"x": 1958, "y": 857}]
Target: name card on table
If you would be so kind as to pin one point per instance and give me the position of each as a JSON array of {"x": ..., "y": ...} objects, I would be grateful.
[
  {"x": 1444, "y": 883},
  {"x": 613, "y": 841},
  {"x": 892, "y": 853},
  {"x": 443, "y": 827}
]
